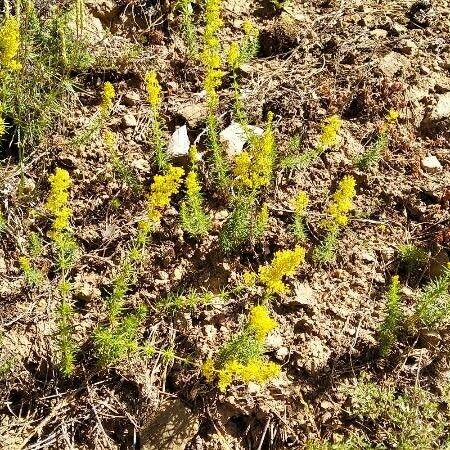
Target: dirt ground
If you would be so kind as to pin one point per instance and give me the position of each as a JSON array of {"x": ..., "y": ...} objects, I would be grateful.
[{"x": 356, "y": 59}]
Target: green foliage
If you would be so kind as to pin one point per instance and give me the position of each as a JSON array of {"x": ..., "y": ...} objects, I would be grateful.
[
  {"x": 32, "y": 275},
  {"x": 37, "y": 90},
  {"x": 326, "y": 251},
  {"x": 188, "y": 27},
  {"x": 194, "y": 219},
  {"x": 393, "y": 317},
  {"x": 260, "y": 223},
  {"x": 237, "y": 228},
  {"x": 412, "y": 257},
  {"x": 113, "y": 343},
  {"x": 372, "y": 156},
  {"x": 408, "y": 421},
  {"x": 191, "y": 300},
  {"x": 3, "y": 223},
  {"x": 433, "y": 302}
]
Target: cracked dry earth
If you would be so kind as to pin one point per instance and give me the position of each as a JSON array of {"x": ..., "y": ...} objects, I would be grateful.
[{"x": 353, "y": 58}]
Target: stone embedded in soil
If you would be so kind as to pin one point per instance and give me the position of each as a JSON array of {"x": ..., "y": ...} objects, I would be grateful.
[
  {"x": 379, "y": 33},
  {"x": 194, "y": 115},
  {"x": 103, "y": 9},
  {"x": 393, "y": 63},
  {"x": 173, "y": 427},
  {"x": 431, "y": 164},
  {"x": 129, "y": 121},
  {"x": 408, "y": 47},
  {"x": 439, "y": 117},
  {"x": 234, "y": 138},
  {"x": 179, "y": 143},
  {"x": 314, "y": 356},
  {"x": 131, "y": 98}
]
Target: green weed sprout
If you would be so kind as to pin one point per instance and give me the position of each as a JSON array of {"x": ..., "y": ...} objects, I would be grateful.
[
  {"x": 194, "y": 219},
  {"x": 337, "y": 211},
  {"x": 242, "y": 357},
  {"x": 211, "y": 59},
  {"x": 188, "y": 26},
  {"x": 123, "y": 170},
  {"x": 433, "y": 302},
  {"x": 327, "y": 139},
  {"x": 66, "y": 252},
  {"x": 300, "y": 204},
  {"x": 371, "y": 157},
  {"x": 154, "y": 98},
  {"x": 99, "y": 120},
  {"x": 412, "y": 257},
  {"x": 261, "y": 222},
  {"x": 393, "y": 317},
  {"x": 28, "y": 265}
]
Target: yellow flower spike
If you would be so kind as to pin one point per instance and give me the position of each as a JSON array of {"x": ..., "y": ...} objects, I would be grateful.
[
  {"x": 341, "y": 204},
  {"x": 392, "y": 116},
  {"x": 261, "y": 322},
  {"x": 192, "y": 184},
  {"x": 193, "y": 155},
  {"x": 249, "y": 278},
  {"x": 233, "y": 55},
  {"x": 285, "y": 263},
  {"x": 108, "y": 96},
  {"x": 154, "y": 92},
  {"x": 258, "y": 371},
  {"x": 330, "y": 131},
  {"x": 208, "y": 370},
  {"x": 10, "y": 43},
  {"x": 301, "y": 202}
]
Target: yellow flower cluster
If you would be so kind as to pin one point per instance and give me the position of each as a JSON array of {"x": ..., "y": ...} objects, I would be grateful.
[
  {"x": 153, "y": 88},
  {"x": 233, "y": 55},
  {"x": 261, "y": 323},
  {"x": 285, "y": 263},
  {"x": 341, "y": 204},
  {"x": 301, "y": 201},
  {"x": 107, "y": 99},
  {"x": 193, "y": 187},
  {"x": 254, "y": 168},
  {"x": 256, "y": 370},
  {"x": 390, "y": 119},
  {"x": 10, "y": 44},
  {"x": 58, "y": 199},
  {"x": 211, "y": 52},
  {"x": 161, "y": 191},
  {"x": 330, "y": 130}
]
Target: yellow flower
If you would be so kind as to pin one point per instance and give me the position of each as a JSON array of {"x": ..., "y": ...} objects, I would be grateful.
[
  {"x": 154, "y": 95},
  {"x": 341, "y": 204},
  {"x": 330, "y": 131},
  {"x": 59, "y": 196},
  {"x": 301, "y": 203},
  {"x": 254, "y": 168},
  {"x": 392, "y": 115},
  {"x": 233, "y": 55},
  {"x": 107, "y": 98},
  {"x": 258, "y": 371},
  {"x": 2, "y": 126},
  {"x": 110, "y": 139},
  {"x": 192, "y": 184},
  {"x": 261, "y": 322},
  {"x": 208, "y": 370},
  {"x": 161, "y": 191},
  {"x": 285, "y": 263},
  {"x": 10, "y": 43},
  {"x": 249, "y": 278}
]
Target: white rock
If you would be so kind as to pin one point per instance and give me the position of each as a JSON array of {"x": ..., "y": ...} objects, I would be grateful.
[
  {"x": 379, "y": 33},
  {"x": 129, "y": 121},
  {"x": 431, "y": 164},
  {"x": 234, "y": 138},
  {"x": 179, "y": 143}
]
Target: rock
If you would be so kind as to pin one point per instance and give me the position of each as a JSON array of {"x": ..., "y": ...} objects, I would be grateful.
[
  {"x": 368, "y": 257},
  {"x": 129, "y": 121},
  {"x": 282, "y": 353},
  {"x": 408, "y": 47},
  {"x": 142, "y": 165},
  {"x": 379, "y": 33},
  {"x": 430, "y": 164},
  {"x": 439, "y": 117},
  {"x": 131, "y": 98},
  {"x": 234, "y": 138},
  {"x": 194, "y": 115},
  {"x": 28, "y": 185},
  {"x": 179, "y": 143},
  {"x": 274, "y": 341},
  {"x": 172, "y": 427},
  {"x": 424, "y": 70},
  {"x": 393, "y": 63},
  {"x": 303, "y": 295},
  {"x": 438, "y": 263},
  {"x": 398, "y": 29}
]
